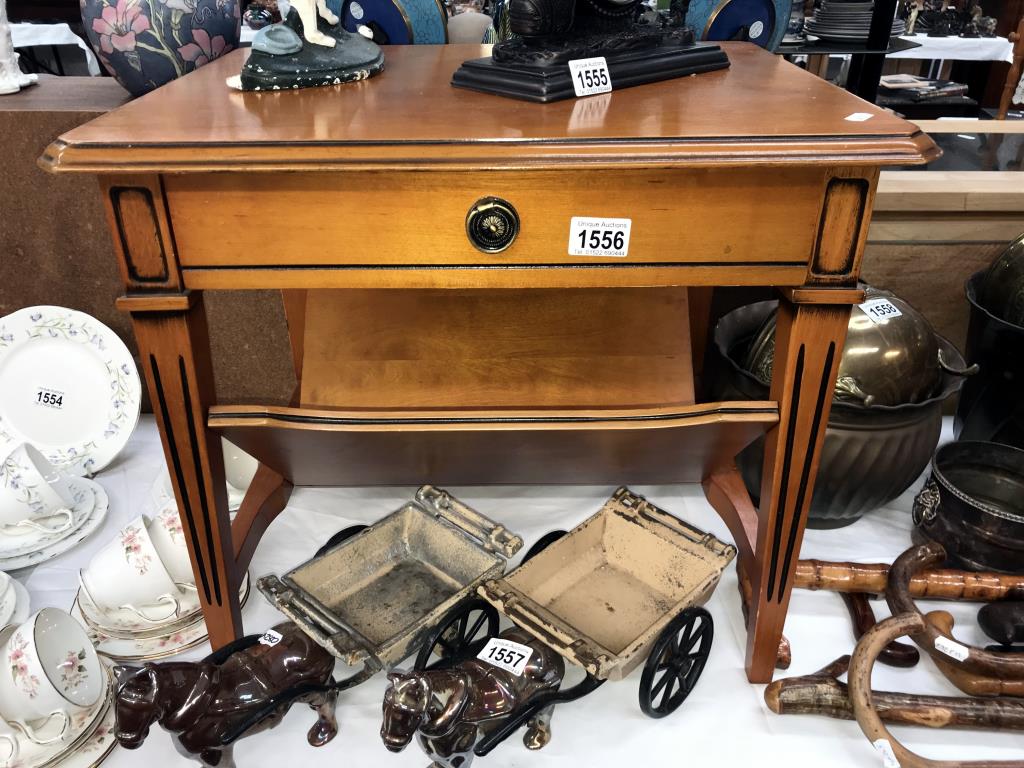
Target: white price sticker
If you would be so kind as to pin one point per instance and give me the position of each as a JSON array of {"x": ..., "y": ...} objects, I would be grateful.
[
  {"x": 858, "y": 117},
  {"x": 879, "y": 310},
  {"x": 952, "y": 648},
  {"x": 888, "y": 756},
  {"x": 271, "y": 638},
  {"x": 49, "y": 398},
  {"x": 599, "y": 237},
  {"x": 506, "y": 654},
  {"x": 590, "y": 76}
]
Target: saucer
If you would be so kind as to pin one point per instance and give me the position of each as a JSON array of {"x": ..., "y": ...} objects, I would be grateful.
[
  {"x": 90, "y": 729},
  {"x": 126, "y": 625},
  {"x": 150, "y": 648},
  {"x": 27, "y": 540},
  {"x": 49, "y": 551}
]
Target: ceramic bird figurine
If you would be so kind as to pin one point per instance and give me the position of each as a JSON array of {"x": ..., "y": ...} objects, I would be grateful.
[{"x": 12, "y": 79}]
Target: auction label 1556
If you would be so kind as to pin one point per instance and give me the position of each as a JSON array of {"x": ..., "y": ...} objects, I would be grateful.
[{"x": 599, "y": 237}]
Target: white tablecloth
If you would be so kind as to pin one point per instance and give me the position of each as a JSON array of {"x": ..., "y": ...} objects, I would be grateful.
[
  {"x": 724, "y": 722},
  {"x": 26, "y": 35},
  {"x": 957, "y": 48}
]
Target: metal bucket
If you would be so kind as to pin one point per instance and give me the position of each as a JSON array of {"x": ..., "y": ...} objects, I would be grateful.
[
  {"x": 871, "y": 454},
  {"x": 991, "y": 405},
  {"x": 973, "y": 504}
]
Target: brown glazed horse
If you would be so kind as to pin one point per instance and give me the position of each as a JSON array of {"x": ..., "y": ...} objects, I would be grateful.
[
  {"x": 454, "y": 708},
  {"x": 204, "y": 704}
]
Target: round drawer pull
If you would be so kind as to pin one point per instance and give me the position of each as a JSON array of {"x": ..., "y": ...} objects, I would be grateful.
[{"x": 492, "y": 224}]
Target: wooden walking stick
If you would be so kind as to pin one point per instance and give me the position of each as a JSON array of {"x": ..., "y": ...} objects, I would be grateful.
[
  {"x": 863, "y": 698},
  {"x": 936, "y": 584},
  {"x": 972, "y": 670},
  {"x": 823, "y": 694}
]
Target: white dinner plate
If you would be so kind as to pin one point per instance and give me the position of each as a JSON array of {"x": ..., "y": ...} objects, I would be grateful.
[
  {"x": 50, "y": 551},
  {"x": 68, "y": 386}
]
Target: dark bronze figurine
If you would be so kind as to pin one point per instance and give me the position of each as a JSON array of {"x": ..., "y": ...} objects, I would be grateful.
[
  {"x": 207, "y": 705},
  {"x": 453, "y": 709}
]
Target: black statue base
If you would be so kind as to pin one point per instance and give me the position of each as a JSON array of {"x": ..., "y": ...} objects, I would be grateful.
[
  {"x": 285, "y": 61},
  {"x": 542, "y": 75}
]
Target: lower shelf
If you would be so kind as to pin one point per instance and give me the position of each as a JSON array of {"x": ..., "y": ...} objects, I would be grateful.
[{"x": 652, "y": 445}]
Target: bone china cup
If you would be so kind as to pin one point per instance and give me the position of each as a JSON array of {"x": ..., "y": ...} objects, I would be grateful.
[
  {"x": 168, "y": 538},
  {"x": 33, "y": 494},
  {"x": 128, "y": 573},
  {"x": 50, "y": 669}
]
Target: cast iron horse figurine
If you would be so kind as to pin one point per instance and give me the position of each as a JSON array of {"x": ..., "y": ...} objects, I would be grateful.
[
  {"x": 207, "y": 705},
  {"x": 454, "y": 708}
]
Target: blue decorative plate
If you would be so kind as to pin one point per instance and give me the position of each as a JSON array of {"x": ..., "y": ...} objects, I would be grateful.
[
  {"x": 765, "y": 21},
  {"x": 395, "y": 22}
]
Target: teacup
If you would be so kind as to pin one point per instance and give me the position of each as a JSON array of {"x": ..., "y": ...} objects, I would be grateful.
[
  {"x": 239, "y": 467},
  {"x": 52, "y": 672},
  {"x": 8, "y": 744},
  {"x": 33, "y": 494},
  {"x": 129, "y": 574},
  {"x": 168, "y": 538}
]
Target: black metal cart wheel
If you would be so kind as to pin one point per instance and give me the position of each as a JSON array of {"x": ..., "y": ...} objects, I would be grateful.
[
  {"x": 676, "y": 662},
  {"x": 461, "y": 634},
  {"x": 343, "y": 535},
  {"x": 541, "y": 544}
]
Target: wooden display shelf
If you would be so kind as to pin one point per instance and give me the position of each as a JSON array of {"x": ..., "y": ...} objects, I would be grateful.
[{"x": 420, "y": 358}]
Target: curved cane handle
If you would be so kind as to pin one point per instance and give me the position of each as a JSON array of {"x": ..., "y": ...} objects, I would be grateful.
[
  {"x": 861, "y": 665},
  {"x": 939, "y": 644}
]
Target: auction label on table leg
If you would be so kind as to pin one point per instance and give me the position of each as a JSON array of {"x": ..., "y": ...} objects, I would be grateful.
[
  {"x": 888, "y": 755},
  {"x": 507, "y": 654},
  {"x": 599, "y": 237},
  {"x": 590, "y": 76}
]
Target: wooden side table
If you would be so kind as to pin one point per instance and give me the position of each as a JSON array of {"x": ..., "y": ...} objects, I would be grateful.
[{"x": 421, "y": 358}]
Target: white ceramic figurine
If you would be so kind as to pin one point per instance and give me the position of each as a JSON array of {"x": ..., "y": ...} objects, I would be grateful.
[{"x": 12, "y": 79}]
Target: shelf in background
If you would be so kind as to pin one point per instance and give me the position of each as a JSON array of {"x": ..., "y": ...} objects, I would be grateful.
[{"x": 823, "y": 48}]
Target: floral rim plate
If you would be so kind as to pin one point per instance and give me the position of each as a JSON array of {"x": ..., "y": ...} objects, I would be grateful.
[
  {"x": 68, "y": 386},
  {"x": 91, "y": 738},
  {"x": 128, "y": 626},
  {"x": 50, "y": 551},
  {"x": 23, "y": 544},
  {"x": 149, "y": 648}
]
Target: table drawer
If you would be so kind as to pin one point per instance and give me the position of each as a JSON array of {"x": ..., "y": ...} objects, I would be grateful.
[{"x": 759, "y": 216}]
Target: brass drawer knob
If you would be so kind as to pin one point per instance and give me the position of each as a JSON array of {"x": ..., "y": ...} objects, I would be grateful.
[{"x": 492, "y": 224}]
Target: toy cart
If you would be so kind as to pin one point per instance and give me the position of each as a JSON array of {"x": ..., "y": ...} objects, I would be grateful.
[
  {"x": 372, "y": 594},
  {"x": 623, "y": 586}
]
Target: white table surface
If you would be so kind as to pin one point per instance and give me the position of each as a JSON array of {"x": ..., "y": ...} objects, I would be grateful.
[
  {"x": 25, "y": 35},
  {"x": 724, "y": 722},
  {"x": 957, "y": 48}
]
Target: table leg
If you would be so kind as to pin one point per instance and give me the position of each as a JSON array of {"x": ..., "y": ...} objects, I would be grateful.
[
  {"x": 174, "y": 348},
  {"x": 809, "y": 344}
]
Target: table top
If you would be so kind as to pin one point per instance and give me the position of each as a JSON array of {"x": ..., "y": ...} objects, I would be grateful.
[{"x": 762, "y": 110}]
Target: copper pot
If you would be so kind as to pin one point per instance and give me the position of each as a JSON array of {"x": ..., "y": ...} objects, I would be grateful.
[{"x": 872, "y": 453}]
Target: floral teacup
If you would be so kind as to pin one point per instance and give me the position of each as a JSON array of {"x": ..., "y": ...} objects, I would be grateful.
[
  {"x": 53, "y": 671},
  {"x": 128, "y": 573},
  {"x": 168, "y": 539},
  {"x": 33, "y": 494}
]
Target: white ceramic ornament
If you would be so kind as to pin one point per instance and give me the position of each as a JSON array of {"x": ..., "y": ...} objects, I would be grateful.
[{"x": 12, "y": 79}]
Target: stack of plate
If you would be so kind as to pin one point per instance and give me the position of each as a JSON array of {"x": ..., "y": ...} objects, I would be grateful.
[
  {"x": 89, "y": 739},
  {"x": 28, "y": 547},
  {"x": 124, "y": 636},
  {"x": 846, "y": 22}
]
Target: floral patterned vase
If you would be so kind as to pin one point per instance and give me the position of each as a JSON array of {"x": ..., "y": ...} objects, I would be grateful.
[{"x": 146, "y": 43}]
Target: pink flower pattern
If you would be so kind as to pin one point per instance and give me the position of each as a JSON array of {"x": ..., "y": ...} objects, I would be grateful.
[
  {"x": 72, "y": 670},
  {"x": 131, "y": 542},
  {"x": 171, "y": 522},
  {"x": 202, "y": 50},
  {"x": 118, "y": 25},
  {"x": 17, "y": 660}
]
